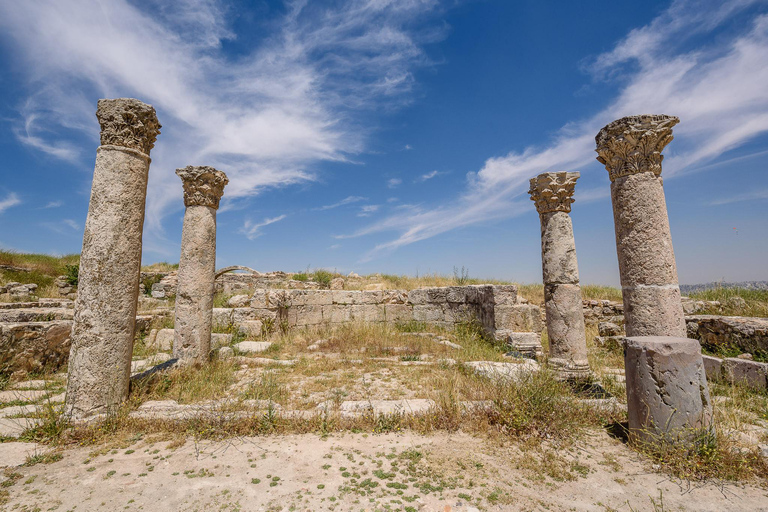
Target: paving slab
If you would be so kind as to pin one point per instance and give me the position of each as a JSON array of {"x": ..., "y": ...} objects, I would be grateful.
[
  {"x": 22, "y": 395},
  {"x": 15, "y": 453}
]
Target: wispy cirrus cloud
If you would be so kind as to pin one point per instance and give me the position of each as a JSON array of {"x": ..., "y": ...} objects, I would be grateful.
[
  {"x": 252, "y": 230},
  {"x": 394, "y": 182},
  {"x": 755, "y": 195},
  {"x": 428, "y": 176},
  {"x": 368, "y": 210},
  {"x": 347, "y": 200},
  {"x": 264, "y": 115},
  {"x": 53, "y": 204},
  {"x": 717, "y": 89},
  {"x": 10, "y": 201}
]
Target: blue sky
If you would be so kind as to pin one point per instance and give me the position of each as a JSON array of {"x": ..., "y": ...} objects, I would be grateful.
[{"x": 392, "y": 136}]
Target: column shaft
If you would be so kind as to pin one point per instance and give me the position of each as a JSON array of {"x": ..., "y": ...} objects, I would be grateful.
[
  {"x": 194, "y": 297},
  {"x": 631, "y": 149},
  {"x": 203, "y": 188},
  {"x": 110, "y": 263},
  {"x": 552, "y": 193}
]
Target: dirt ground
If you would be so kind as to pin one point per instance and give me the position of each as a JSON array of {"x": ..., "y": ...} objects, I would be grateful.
[{"x": 440, "y": 472}]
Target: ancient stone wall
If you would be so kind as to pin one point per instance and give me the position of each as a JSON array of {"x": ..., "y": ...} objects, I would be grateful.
[{"x": 495, "y": 307}]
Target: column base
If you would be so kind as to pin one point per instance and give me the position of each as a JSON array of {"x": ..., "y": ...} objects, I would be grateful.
[{"x": 567, "y": 369}]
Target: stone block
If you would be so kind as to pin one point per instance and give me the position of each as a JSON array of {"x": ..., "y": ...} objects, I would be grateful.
[
  {"x": 337, "y": 283},
  {"x": 34, "y": 346},
  {"x": 457, "y": 294},
  {"x": 238, "y": 301},
  {"x": 265, "y": 314},
  {"x": 306, "y": 315},
  {"x": 251, "y": 328},
  {"x": 418, "y": 296},
  {"x": 259, "y": 299},
  {"x": 398, "y": 312},
  {"x": 520, "y": 317},
  {"x": 667, "y": 393},
  {"x": 344, "y": 297},
  {"x": 608, "y": 329},
  {"x": 428, "y": 313},
  {"x": 252, "y": 347},
  {"x": 713, "y": 366},
  {"x": 368, "y": 312},
  {"x": 240, "y": 315},
  {"x": 222, "y": 317},
  {"x": 527, "y": 343},
  {"x": 337, "y": 313},
  {"x": 748, "y": 373},
  {"x": 220, "y": 340},
  {"x": 504, "y": 295},
  {"x": 437, "y": 295},
  {"x": 163, "y": 340},
  {"x": 370, "y": 297}
]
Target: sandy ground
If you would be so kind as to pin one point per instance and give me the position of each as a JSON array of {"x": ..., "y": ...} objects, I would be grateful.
[{"x": 440, "y": 472}]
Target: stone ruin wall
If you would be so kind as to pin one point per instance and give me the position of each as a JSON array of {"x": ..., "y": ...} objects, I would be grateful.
[{"x": 495, "y": 307}]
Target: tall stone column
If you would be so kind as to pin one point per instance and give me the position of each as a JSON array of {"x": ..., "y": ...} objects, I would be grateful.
[
  {"x": 110, "y": 263},
  {"x": 552, "y": 192},
  {"x": 203, "y": 188},
  {"x": 631, "y": 150}
]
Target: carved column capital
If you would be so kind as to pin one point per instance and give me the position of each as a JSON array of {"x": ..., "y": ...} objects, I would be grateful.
[
  {"x": 128, "y": 123},
  {"x": 553, "y": 191},
  {"x": 633, "y": 144},
  {"x": 203, "y": 185}
]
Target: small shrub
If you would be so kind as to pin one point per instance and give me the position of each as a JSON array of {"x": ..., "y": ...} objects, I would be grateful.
[
  {"x": 303, "y": 277},
  {"x": 72, "y": 274},
  {"x": 323, "y": 278},
  {"x": 461, "y": 277}
]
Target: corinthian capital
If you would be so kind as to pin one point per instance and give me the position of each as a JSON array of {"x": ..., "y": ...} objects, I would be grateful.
[
  {"x": 553, "y": 191},
  {"x": 128, "y": 123},
  {"x": 633, "y": 144},
  {"x": 203, "y": 185}
]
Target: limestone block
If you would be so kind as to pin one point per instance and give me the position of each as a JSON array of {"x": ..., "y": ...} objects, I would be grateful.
[
  {"x": 428, "y": 313},
  {"x": 394, "y": 297},
  {"x": 457, "y": 294},
  {"x": 398, "y": 312},
  {"x": 370, "y": 297},
  {"x": 265, "y": 314},
  {"x": 251, "y": 347},
  {"x": 504, "y": 295},
  {"x": 418, "y": 296},
  {"x": 455, "y": 313},
  {"x": 713, "y": 366},
  {"x": 344, "y": 297},
  {"x": 527, "y": 343},
  {"x": 520, "y": 317},
  {"x": 337, "y": 313},
  {"x": 751, "y": 374},
  {"x": 667, "y": 393},
  {"x": 437, "y": 295},
  {"x": 34, "y": 346},
  {"x": 163, "y": 340},
  {"x": 608, "y": 329},
  {"x": 307, "y": 315},
  {"x": 220, "y": 340},
  {"x": 259, "y": 299},
  {"x": 226, "y": 353},
  {"x": 238, "y": 301},
  {"x": 222, "y": 317},
  {"x": 337, "y": 283},
  {"x": 368, "y": 312},
  {"x": 251, "y": 328},
  {"x": 240, "y": 315},
  {"x": 307, "y": 298}
]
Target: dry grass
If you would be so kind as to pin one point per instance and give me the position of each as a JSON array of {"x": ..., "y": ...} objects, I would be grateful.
[
  {"x": 755, "y": 301},
  {"x": 162, "y": 266}
]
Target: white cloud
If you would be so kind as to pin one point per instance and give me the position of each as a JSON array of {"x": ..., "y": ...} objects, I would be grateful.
[
  {"x": 252, "y": 230},
  {"x": 408, "y": 147},
  {"x": 717, "y": 90},
  {"x": 368, "y": 210},
  {"x": 10, "y": 201},
  {"x": 263, "y": 117},
  {"x": 71, "y": 223},
  {"x": 343, "y": 202},
  {"x": 63, "y": 226},
  {"x": 755, "y": 195},
  {"x": 394, "y": 182},
  {"x": 54, "y": 204},
  {"x": 428, "y": 176}
]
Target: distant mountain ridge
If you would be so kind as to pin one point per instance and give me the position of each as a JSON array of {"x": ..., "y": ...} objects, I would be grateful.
[{"x": 751, "y": 285}]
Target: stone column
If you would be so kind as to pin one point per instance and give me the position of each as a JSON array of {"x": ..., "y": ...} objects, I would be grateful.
[
  {"x": 631, "y": 150},
  {"x": 203, "y": 188},
  {"x": 667, "y": 394},
  {"x": 553, "y": 194},
  {"x": 110, "y": 263}
]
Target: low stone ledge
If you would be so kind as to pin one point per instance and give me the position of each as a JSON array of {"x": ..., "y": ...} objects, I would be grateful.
[
  {"x": 748, "y": 334},
  {"x": 752, "y": 374},
  {"x": 34, "y": 346}
]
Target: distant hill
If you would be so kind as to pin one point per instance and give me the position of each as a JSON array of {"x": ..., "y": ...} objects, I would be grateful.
[{"x": 749, "y": 285}]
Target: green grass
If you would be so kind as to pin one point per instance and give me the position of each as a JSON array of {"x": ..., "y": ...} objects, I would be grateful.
[{"x": 756, "y": 301}]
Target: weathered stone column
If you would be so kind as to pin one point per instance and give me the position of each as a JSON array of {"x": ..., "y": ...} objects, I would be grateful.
[
  {"x": 203, "y": 188},
  {"x": 631, "y": 150},
  {"x": 552, "y": 192},
  {"x": 667, "y": 394},
  {"x": 107, "y": 296}
]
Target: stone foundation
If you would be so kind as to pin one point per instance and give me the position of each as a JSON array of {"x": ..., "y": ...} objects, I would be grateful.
[
  {"x": 494, "y": 307},
  {"x": 747, "y": 334}
]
